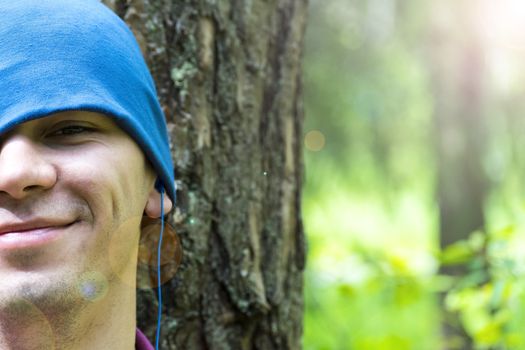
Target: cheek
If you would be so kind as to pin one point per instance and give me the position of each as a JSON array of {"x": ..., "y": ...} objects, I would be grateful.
[
  {"x": 111, "y": 181},
  {"x": 86, "y": 181},
  {"x": 112, "y": 191},
  {"x": 131, "y": 173}
]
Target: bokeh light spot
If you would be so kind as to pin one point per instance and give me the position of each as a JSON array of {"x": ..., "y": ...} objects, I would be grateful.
[
  {"x": 171, "y": 253},
  {"x": 314, "y": 140},
  {"x": 34, "y": 322},
  {"x": 93, "y": 286}
]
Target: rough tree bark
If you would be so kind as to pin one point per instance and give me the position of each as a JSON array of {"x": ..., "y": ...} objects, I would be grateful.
[{"x": 228, "y": 74}]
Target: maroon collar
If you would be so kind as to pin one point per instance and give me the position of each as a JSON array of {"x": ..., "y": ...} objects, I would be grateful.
[{"x": 141, "y": 342}]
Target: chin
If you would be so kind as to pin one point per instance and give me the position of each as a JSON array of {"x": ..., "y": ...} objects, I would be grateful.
[{"x": 49, "y": 292}]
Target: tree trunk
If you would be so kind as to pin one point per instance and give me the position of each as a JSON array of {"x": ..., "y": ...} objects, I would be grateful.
[
  {"x": 458, "y": 74},
  {"x": 228, "y": 74}
]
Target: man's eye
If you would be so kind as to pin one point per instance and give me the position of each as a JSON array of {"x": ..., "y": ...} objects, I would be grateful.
[{"x": 71, "y": 130}]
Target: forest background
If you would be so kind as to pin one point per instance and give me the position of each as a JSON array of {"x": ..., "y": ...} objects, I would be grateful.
[{"x": 415, "y": 160}]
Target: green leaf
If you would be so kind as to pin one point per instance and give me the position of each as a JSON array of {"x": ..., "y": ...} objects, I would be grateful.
[{"x": 457, "y": 253}]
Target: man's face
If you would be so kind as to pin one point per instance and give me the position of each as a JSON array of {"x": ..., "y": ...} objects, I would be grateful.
[{"x": 73, "y": 189}]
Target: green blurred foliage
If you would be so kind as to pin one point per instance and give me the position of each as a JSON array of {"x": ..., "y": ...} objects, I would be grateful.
[
  {"x": 489, "y": 297},
  {"x": 369, "y": 204}
]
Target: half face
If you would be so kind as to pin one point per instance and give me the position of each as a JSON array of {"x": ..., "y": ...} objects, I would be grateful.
[{"x": 73, "y": 189}]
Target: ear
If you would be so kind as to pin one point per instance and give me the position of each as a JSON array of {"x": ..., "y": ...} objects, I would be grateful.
[{"x": 152, "y": 208}]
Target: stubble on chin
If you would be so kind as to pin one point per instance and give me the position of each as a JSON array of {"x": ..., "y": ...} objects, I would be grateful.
[
  {"x": 46, "y": 293},
  {"x": 37, "y": 310}
]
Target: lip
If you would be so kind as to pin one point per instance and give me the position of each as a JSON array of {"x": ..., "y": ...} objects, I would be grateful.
[
  {"x": 30, "y": 225},
  {"x": 30, "y": 234}
]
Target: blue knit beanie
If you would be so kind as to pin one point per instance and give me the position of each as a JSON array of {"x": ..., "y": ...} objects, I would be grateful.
[{"x": 58, "y": 55}]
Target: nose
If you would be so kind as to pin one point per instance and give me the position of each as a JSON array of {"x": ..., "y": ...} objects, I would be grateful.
[{"x": 23, "y": 168}]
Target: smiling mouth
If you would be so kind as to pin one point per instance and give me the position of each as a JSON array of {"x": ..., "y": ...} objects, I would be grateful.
[
  {"x": 31, "y": 228},
  {"x": 32, "y": 236}
]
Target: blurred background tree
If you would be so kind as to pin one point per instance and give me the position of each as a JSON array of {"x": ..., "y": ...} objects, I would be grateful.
[{"x": 414, "y": 164}]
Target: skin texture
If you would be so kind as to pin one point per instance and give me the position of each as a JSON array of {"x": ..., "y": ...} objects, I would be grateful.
[{"x": 81, "y": 172}]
